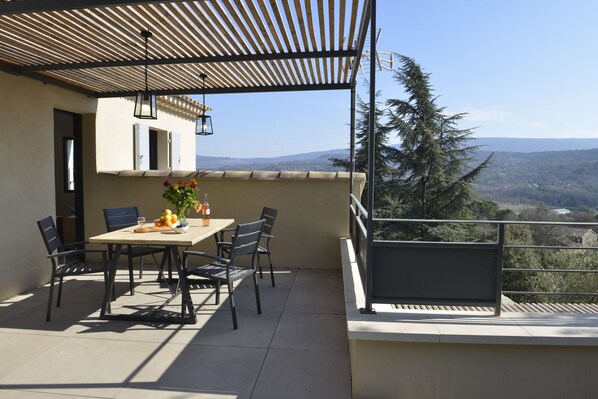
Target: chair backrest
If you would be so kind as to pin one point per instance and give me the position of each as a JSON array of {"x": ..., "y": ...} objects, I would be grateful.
[
  {"x": 49, "y": 234},
  {"x": 119, "y": 218},
  {"x": 247, "y": 238},
  {"x": 269, "y": 215}
]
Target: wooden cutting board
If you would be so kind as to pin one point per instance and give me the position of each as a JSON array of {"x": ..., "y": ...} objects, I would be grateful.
[{"x": 152, "y": 229}]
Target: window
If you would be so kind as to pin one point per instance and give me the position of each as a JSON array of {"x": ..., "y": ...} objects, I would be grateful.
[
  {"x": 69, "y": 164},
  {"x": 152, "y": 148}
]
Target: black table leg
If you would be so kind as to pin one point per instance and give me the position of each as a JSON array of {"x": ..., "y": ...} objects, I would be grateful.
[{"x": 153, "y": 314}]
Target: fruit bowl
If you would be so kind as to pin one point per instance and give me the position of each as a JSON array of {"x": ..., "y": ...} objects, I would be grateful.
[{"x": 180, "y": 227}]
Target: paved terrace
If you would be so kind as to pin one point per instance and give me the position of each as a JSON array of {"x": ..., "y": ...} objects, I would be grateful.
[{"x": 297, "y": 348}]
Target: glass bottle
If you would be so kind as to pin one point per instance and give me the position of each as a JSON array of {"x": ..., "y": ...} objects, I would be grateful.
[{"x": 205, "y": 210}]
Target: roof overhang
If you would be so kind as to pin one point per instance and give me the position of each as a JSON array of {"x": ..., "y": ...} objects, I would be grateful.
[{"x": 95, "y": 47}]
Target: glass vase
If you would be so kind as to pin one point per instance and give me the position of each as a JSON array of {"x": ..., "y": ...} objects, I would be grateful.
[{"x": 181, "y": 213}]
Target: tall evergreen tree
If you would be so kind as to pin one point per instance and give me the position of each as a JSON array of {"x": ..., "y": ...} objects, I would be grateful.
[
  {"x": 434, "y": 157},
  {"x": 385, "y": 154}
]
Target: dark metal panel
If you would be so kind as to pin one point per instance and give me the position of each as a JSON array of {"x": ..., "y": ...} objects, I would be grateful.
[{"x": 409, "y": 274}]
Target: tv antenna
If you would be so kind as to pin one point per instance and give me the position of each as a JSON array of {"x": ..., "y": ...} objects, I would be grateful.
[{"x": 384, "y": 60}]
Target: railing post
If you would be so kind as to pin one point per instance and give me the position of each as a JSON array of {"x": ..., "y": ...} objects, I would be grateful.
[
  {"x": 371, "y": 165},
  {"x": 499, "y": 260}
]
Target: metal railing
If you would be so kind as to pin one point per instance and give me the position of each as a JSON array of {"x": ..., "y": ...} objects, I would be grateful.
[{"x": 414, "y": 253}]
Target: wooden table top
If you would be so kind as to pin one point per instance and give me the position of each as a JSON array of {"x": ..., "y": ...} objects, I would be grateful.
[{"x": 195, "y": 234}]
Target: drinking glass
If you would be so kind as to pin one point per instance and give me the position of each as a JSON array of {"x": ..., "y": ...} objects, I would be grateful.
[{"x": 141, "y": 221}]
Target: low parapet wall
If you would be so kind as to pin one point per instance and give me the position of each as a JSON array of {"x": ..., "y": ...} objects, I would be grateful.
[
  {"x": 313, "y": 206},
  {"x": 403, "y": 354}
]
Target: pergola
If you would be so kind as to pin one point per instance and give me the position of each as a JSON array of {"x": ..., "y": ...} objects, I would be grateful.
[{"x": 95, "y": 47}]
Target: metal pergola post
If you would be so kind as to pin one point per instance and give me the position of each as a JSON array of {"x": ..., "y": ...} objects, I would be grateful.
[
  {"x": 371, "y": 165},
  {"x": 352, "y": 162},
  {"x": 352, "y": 143}
]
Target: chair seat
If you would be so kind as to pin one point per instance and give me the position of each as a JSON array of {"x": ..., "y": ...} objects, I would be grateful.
[
  {"x": 217, "y": 271},
  {"x": 80, "y": 267}
]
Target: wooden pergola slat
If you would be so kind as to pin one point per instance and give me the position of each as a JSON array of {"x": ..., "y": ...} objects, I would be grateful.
[{"x": 95, "y": 47}]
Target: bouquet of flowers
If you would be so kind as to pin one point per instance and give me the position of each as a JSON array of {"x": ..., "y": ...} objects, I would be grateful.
[{"x": 182, "y": 196}]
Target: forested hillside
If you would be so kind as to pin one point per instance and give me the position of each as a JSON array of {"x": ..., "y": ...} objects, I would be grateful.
[
  {"x": 555, "y": 178},
  {"x": 563, "y": 179}
]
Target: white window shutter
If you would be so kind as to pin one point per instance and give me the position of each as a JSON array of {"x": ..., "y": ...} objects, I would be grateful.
[
  {"x": 142, "y": 147},
  {"x": 175, "y": 151}
]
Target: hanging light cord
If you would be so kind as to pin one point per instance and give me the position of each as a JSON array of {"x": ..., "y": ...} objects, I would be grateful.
[
  {"x": 146, "y": 34},
  {"x": 203, "y": 84}
]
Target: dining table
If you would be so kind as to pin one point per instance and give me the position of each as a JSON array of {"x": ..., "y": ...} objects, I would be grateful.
[{"x": 171, "y": 240}]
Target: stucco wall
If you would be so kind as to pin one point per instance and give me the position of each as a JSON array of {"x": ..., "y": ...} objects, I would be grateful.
[
  {"x": 413, "y": 354},
  {"x": 115, "y": 134},
  {"x": 396, "y": 370},
  {"x": 313, "y": 208},
  {"x": 27, "y": 178}
]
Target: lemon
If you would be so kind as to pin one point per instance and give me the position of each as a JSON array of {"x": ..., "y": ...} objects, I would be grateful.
[
  {"x": 174, "y": 217},
  {"x": 167, "y": 212},
  {"x": 168, "y": 217}
]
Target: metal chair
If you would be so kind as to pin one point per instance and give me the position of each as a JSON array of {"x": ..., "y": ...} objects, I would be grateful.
[
  {"x": 245, "y": 242},
  {"x": 269, "y": 215},
  {"x": 118, "y": 218},
  {"x": 66, "y": 262}
]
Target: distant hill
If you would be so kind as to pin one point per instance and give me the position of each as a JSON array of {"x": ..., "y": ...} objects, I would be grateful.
[
  {"x": 317, "y": 160},
  {"x": 533, "y": 145},
  {"x": 522, "y": 170},
  {"x": 563, "y": 179}
]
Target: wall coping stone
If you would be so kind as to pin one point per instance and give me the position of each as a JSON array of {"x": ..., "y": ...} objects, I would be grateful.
[{"x": 238, "y": 175}]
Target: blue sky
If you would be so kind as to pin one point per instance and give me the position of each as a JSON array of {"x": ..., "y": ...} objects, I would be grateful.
[{"x": 526, "y": 68}]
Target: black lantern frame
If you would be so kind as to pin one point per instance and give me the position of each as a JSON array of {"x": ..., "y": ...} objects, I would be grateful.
[
  {"x": 203, "y": 123},
  {"x": 145, "y": 101}
]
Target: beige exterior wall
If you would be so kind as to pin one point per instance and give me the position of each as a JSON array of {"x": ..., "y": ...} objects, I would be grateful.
[
  {"x": 115, "y": 135},
  {"x": 396, "y": 370},
  {"x": 402, "y": 354},
  {"x": 313, "y": 209},
  {"x": 27, "y": 178}
]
